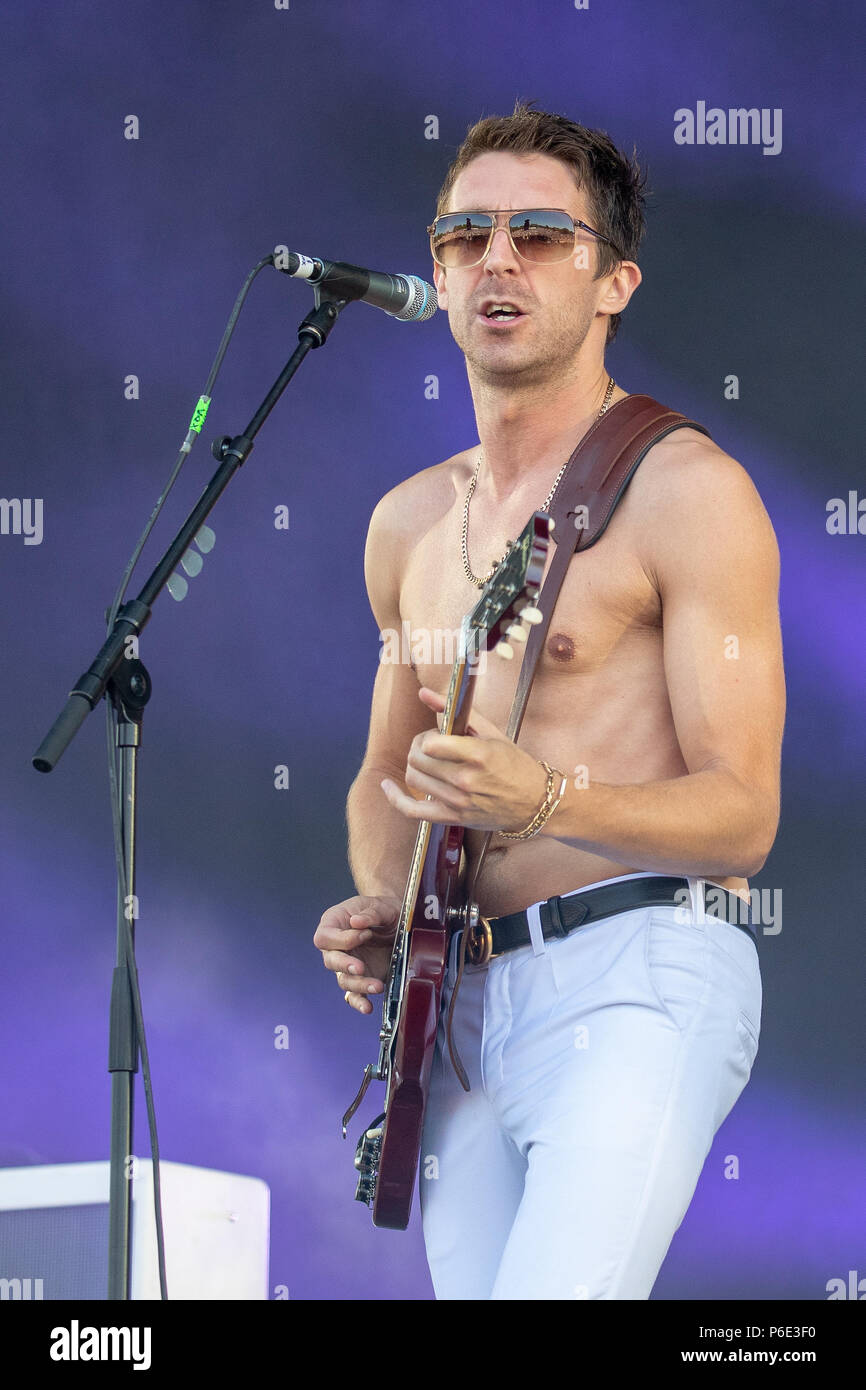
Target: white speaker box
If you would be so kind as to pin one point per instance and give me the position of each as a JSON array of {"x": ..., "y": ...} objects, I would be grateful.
[{"x": 54, "y": 1232}]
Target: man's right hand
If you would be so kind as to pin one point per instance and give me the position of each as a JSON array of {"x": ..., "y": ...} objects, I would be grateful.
[{"x": 356, "y": 938}]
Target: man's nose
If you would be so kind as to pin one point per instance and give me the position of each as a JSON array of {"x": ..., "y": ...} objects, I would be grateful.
[{"x": 500, "y": 251}]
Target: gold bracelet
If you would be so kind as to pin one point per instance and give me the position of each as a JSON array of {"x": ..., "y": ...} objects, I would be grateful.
[{"x": 545, "y": 810}]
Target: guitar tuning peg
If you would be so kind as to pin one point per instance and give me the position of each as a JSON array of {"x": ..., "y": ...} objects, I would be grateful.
[
  {"x": 177, "y": 587},
  {"x": 503, "y": 649},
  {"x": 551, "y": 525},
  {"x": 531, "y": 614},
  {"x": 516, "y": 633},
  {"x": 205, "y": 539}
]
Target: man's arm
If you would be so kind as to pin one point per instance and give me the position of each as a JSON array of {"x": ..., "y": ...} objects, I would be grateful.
[
  {"x": 713, "y": 556},
  {"x": 380, "y": 838}
]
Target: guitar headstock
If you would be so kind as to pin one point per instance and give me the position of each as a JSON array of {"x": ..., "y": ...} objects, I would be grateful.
[{"x": 506, "y": 608}]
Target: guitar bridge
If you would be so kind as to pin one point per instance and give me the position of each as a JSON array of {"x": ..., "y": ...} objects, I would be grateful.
[{"x": 367, "y": 1156}]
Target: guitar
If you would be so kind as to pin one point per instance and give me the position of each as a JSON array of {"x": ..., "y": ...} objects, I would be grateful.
[{"x": 388, "y": 1150}]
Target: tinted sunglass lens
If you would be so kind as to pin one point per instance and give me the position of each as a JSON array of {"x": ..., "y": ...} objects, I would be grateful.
[
  {"x": 543, "y": 236},
  {"x": 461, "y": 240}
]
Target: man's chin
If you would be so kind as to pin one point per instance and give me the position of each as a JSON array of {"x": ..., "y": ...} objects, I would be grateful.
[{"x": 511, "y": 363}]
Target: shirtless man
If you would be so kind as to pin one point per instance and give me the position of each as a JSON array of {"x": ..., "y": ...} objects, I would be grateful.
[{"x": 601, "y": 1062}]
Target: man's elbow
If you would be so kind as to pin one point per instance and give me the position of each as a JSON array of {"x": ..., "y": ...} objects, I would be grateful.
[
  {"x": 762, "y": 842},
  {"x": 752, "y": 865},
  {"x": 752, "y": 820}
]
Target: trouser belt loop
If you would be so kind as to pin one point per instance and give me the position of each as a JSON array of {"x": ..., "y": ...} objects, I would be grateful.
[
  {"x": 699, "y": 899},
  {"x": 554, "y": 918}
]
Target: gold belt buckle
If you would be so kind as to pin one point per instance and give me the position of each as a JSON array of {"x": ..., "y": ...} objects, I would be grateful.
[{"x": 479, "y": 937}]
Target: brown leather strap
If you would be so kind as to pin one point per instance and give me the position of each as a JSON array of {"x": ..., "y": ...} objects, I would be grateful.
[{"x": 595, "y": 478}]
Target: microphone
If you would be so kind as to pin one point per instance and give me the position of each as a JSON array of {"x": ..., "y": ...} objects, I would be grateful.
[{"x": 404, "y": 297}]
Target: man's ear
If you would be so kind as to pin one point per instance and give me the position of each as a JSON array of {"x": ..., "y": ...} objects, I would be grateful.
[
  {"x": 439, "y": 282},
  {"x": 622, "y": 283}
]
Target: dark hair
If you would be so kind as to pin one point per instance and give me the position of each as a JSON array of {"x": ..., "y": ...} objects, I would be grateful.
[{"x": 615, "y": 185}]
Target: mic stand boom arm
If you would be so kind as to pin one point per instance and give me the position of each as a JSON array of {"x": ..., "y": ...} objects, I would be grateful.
[{"x": 135, "y": 614}]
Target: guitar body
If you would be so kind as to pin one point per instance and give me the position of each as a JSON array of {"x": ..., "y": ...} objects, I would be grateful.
[{"x": 415, "y": 1043}]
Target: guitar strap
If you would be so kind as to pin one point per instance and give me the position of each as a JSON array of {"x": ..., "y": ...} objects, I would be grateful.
[{"x": 595, "y": 478}]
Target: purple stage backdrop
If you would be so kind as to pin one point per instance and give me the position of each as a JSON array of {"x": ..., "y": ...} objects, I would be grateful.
[{"x": 152, "y": 154}]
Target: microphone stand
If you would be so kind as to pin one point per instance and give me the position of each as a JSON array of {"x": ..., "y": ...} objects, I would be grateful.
[{"x": 128, "y": 687}]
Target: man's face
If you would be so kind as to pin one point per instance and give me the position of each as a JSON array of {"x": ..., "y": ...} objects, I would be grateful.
[{"x": 557, "y": 302}]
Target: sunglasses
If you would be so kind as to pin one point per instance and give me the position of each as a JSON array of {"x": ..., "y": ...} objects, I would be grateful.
[{"x": 541, "y": 235}]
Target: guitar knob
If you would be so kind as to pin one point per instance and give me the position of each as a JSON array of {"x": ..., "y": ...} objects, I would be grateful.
[
  {"x": 502, "y": 649},
  {"x": 516, "y": 633},
  {"x": 531, "y": 614}
]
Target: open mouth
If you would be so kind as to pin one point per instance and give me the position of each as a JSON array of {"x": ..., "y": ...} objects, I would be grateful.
[{"x": 500, "y": 313}]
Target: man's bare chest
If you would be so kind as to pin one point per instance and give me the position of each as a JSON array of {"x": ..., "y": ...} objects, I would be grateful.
[{"x": 606, "y": 625}]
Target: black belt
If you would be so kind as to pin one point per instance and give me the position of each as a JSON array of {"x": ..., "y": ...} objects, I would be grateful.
[{"x": 559, "y": 915}]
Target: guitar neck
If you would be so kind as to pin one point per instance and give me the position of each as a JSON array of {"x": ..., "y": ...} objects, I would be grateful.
[
  {"x": 517, "y": 579},
  {"x": 455, "y": 718}
]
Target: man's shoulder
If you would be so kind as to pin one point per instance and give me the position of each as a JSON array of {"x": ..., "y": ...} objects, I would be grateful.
[
  {"x": 414, "y": 504},
  {"x": 399, "y": 522},
  {"x": 693, "y": 504},
  {"x": 687, "y": 471}
]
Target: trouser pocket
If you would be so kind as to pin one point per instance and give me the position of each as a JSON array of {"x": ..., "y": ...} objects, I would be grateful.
[{"x": 676, "y": 956}]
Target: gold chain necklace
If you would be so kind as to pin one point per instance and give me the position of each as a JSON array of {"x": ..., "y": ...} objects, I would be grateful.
[{"x": 479, "y": 583}]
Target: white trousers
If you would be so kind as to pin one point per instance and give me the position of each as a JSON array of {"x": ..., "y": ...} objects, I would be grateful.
[{"x": 601, "y": 1066}]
